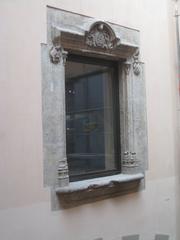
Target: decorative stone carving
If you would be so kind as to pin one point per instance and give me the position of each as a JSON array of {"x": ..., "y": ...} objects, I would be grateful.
[
  {"x": 127, "y": 67},
  {"x": 101, "y": 35},
  {"x": 130, "y": 160},
  {"x": 88, "y": 191},
  {"x": 136, "y": 64},
  {"x": 63, "y": 169},
  {"x": 57, "y": 54}
]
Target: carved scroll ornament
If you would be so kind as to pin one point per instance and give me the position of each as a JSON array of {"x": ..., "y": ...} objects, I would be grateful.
[
  {"x": 101, "y": 35},
  {"x": 127, "y": 67}
]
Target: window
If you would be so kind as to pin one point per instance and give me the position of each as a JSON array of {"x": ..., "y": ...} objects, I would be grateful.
[
  {"x": 93, "y": 109},
  {"x": 92, "y": 117}
]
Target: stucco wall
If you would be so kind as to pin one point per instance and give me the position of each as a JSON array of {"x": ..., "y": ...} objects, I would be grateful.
[{"x": 24, "y": 202}]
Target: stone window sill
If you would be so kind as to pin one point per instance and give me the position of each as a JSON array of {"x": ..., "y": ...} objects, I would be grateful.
[{"x": 90, "y": 190}]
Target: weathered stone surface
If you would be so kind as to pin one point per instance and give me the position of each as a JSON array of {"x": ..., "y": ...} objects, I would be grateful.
[
  {"x": 53, "y": 110},
  {"x": 87, "y": 191},
  {"x": 78, "y": 24},
  {"x": 133, "y": 118}
]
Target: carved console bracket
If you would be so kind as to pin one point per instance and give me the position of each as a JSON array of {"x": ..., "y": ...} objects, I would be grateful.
[
  {"x": 136, "y": 63},
  {"x": 98, "y": 188},
  {"x": 101, "y": 35},
  {"x": 87, "y": 37},
  {"x": 57, "y": 54}
]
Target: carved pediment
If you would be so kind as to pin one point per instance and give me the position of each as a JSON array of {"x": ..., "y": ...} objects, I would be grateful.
[{"x": 101, "y": 35}]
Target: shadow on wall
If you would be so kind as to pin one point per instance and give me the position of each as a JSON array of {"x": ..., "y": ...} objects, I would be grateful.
[{"x": 137, "y": 237}]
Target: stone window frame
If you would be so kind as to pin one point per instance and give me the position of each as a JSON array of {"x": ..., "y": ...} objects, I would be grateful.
[{"x": 79, "y": 34}]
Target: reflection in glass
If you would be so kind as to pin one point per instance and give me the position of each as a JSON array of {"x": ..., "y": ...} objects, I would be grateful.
[{"x": 89, "y": 118}]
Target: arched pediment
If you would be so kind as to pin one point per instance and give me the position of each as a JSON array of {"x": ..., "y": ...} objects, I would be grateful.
[{"x": 101, "y": 35}]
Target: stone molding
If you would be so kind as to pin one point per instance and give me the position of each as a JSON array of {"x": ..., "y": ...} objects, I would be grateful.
[
  {"x": 63, "y": 169},
  {"x": 88, "y": 191}
]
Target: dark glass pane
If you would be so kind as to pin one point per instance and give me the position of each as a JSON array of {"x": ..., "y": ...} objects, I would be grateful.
[{"x": 89, "y": 118}]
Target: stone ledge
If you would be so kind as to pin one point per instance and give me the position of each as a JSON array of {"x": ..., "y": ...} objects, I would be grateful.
[
  {"x": 87, "y": 191},
  {"x": 99, "y": 182}
]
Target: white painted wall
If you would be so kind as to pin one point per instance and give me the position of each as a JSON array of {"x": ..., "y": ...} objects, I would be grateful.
[{"x": 25, "y": 204}]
